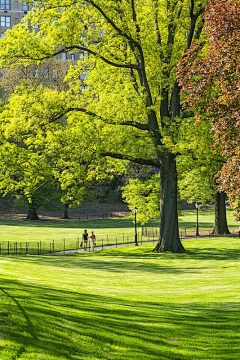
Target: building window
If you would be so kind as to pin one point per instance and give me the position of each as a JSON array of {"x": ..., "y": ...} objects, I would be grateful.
[
  {"x": 5, "y": 4},
  {"x": 25, "y": 7},
  {"x": 54, "y": 74},
  {"x": 73, "y": 57},
  {"x": 82, "y": 55},
  {"x": 45, "y": 73},
  {"x": 63, "y": 56},
  {"x": 2, "y": 35},
  {"x": 6, "y": 21}
]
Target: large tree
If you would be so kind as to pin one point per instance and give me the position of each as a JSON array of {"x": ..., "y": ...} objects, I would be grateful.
[
  {"x": 26, "y": 173},
  {"x": 36, "y": 151},
  {"x": 209, "y": 74},
  {"x": 130, "y": 50}
]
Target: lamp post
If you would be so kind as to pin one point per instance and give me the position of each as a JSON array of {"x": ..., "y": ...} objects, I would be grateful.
[
  {"x": 197, "y": 233},
  {"x": 135, "y": 222}
]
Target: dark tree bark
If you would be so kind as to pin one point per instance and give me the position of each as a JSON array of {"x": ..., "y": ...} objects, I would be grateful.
[
  {"x": 169, "y": 234},
  {"x": 220, "y": 227},
  {"x": 32, "y": 215},
  {"x": 66, "y": 207}
]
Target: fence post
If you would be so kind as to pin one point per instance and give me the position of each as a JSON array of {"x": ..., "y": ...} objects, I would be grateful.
[
  {"x": 8, "y": 247},
  {"x": 64, "y": 244},
  {"x": 102, "y": 244},
  {"x": 26, "y": 247},
  {"x": 16, "y": 247},
  {"x": 0, "y": 248},
  {"x": 107, "y": 239},
  {"x": 50, "y": 247},
  {"x": 141, "y": 239},
  {"x": 116, "y": 242},
  {"x": 53, "y": 246},
  {"x": 123, "y": 238},
  {"x": 40, "y": 247}
]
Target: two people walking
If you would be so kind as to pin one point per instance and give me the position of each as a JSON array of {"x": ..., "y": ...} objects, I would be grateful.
[{"x": 92, "y": 237}]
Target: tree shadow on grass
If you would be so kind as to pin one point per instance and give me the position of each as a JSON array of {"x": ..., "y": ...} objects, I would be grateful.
[
  {"x": 77, "y": 325},
  {"x": 214, "y": 254},
  {"x": 137, "y": 259},
  {"x": 114, "y": 262}
]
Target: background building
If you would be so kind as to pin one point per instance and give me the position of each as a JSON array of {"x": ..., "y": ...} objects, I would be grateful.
[{"x": 12, "y": 12}]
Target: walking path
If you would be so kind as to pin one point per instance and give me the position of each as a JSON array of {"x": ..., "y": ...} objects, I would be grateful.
[{"x": 97, "y": 248}]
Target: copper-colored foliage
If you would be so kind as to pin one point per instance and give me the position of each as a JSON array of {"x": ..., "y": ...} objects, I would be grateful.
[{"x": 210, "y": 78}]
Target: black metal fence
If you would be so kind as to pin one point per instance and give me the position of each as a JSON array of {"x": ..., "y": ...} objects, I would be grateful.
[
  {"x": 54, "y": 246},
  {"x": 87, "y": 216},
  {"x": 64, "y": 245}
]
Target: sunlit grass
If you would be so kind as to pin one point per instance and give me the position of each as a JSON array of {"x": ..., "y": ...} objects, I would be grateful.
[
  {"x": 122, "y": 304},
  {"x": 22, "y": 231}
]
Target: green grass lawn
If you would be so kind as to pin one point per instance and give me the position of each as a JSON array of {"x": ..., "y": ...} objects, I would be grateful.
[
  {"x": 126, "y": 303},
  {"x": 22, "y": 231}
]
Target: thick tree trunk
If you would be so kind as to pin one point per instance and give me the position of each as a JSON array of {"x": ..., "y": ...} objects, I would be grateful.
[
  {"x": 220, "y": 227},
  {"x": 169, "y": 234},
  {"x": 32, "y": 215},
  {"x": 66, "y": 207}
]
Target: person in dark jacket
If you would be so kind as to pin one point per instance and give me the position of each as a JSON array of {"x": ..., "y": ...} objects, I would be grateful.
[{"x": 85, "y": 239}]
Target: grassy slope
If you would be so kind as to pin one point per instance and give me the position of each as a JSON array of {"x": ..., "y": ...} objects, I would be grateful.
[
  {"x": 123, "y": 304},
  {"x": 39, "y": 231}
]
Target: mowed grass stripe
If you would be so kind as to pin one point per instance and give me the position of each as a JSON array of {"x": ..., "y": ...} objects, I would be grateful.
[{"x": 126, "y": 303}]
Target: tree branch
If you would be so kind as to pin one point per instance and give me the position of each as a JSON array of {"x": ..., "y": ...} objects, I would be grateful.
[
  {"x": 193, "y": 23},
  {"x": 74, "y": 47},
  {"x": 157, "y": 29},
  {"x": 134, "y": 124},
  {"x": 140, "y": 161},
  {"x": 120, "y": 32}
]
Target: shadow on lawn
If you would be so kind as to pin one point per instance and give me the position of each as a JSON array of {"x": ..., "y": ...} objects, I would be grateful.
[
  {"x": 114, "y": 260},
  {"x": 137, "y": 259},
  {"x": 76, "y": 325},
  {"x": 118, "y": 266}
]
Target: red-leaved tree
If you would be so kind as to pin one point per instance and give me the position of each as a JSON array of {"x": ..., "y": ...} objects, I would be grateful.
[{"x": 209, "y": 75}]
